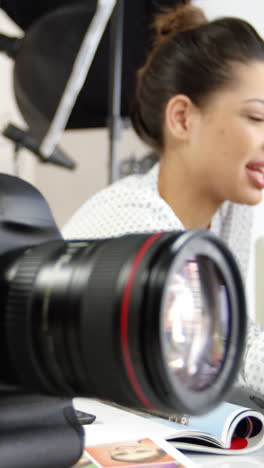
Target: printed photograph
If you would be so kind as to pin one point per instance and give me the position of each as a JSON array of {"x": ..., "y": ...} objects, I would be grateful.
[{"x": 130, "y": 453}]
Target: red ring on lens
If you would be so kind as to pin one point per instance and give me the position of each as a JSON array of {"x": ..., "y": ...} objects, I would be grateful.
[{"x": 124, "y": 321}]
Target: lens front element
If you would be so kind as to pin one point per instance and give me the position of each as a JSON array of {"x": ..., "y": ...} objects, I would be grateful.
[{"x": 194, "y": 322}]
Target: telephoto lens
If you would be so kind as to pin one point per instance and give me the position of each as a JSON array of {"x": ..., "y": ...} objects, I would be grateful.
[{"x": 153, "y": 321}]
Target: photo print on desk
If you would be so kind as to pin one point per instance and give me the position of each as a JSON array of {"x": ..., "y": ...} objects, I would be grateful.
[{"x": 136, "y": 454}]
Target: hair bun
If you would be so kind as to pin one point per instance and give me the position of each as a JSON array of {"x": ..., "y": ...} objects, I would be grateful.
[{"x": 180, "y": 18}]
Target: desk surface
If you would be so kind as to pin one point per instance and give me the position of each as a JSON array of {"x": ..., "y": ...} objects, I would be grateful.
[{"x": 224, "y": 461}]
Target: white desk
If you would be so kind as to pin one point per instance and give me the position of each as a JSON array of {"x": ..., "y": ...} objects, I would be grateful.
[{"x": 224, "y": 461}]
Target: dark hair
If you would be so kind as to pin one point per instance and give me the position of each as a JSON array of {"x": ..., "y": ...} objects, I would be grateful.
[{"x": 190, "y": 56}]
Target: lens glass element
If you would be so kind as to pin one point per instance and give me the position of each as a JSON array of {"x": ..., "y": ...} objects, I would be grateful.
[{"x": 194, "y": 323}]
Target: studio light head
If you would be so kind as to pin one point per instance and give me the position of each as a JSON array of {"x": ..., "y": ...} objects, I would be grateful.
[{"x": 146, "y": 320}]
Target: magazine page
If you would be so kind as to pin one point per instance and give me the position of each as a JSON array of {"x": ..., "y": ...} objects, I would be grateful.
[
  {"x": 228, "y": 426},
  {"x": 218, "y": 423},
  {"x": 241, "y": 447},
  {"x": 221, "y": 421},
  {"x": 139, "y": 453},
  {"x": 236, "y": 429}
]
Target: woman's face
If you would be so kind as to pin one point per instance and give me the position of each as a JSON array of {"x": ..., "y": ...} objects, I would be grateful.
[
  {"x": 136, "y": 452},
  {"x": 227, "y": 140}
]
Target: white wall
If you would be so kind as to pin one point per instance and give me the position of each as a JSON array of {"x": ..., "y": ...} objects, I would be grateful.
[
  {"x": 250, "y": 10},
  {"x": 66, "y": 190}
]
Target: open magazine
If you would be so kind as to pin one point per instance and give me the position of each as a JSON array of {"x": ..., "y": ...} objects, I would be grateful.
[{"x": 228, "y": 429}]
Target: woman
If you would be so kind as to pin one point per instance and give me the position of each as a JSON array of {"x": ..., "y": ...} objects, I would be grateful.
[{"x": 199, "y": 103}]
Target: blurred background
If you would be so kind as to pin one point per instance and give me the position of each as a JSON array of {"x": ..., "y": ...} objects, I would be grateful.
[
  {"x": 40, "y": 42},
  {"x": 34, "y": 75}
]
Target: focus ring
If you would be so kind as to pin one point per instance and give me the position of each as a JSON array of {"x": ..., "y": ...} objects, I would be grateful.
[{"x": 19, "y": 320}]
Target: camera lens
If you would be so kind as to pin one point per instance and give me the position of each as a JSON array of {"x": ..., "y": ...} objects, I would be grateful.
[{"x": 146, "y": 320}]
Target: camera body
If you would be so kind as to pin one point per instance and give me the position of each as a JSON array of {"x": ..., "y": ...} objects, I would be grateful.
[
  {"x": 168, "y": 307},
  {"x": 36, "y": 429}
]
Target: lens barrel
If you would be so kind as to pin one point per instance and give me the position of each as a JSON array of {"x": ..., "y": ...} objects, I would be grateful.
[{"x": 145, "y": 320}]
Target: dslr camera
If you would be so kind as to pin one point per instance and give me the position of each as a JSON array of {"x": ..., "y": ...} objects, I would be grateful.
[{"x": 152, "y": 320}]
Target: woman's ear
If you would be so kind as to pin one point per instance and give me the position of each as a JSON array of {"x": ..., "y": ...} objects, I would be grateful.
[{"x": 179, "y": 114}]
